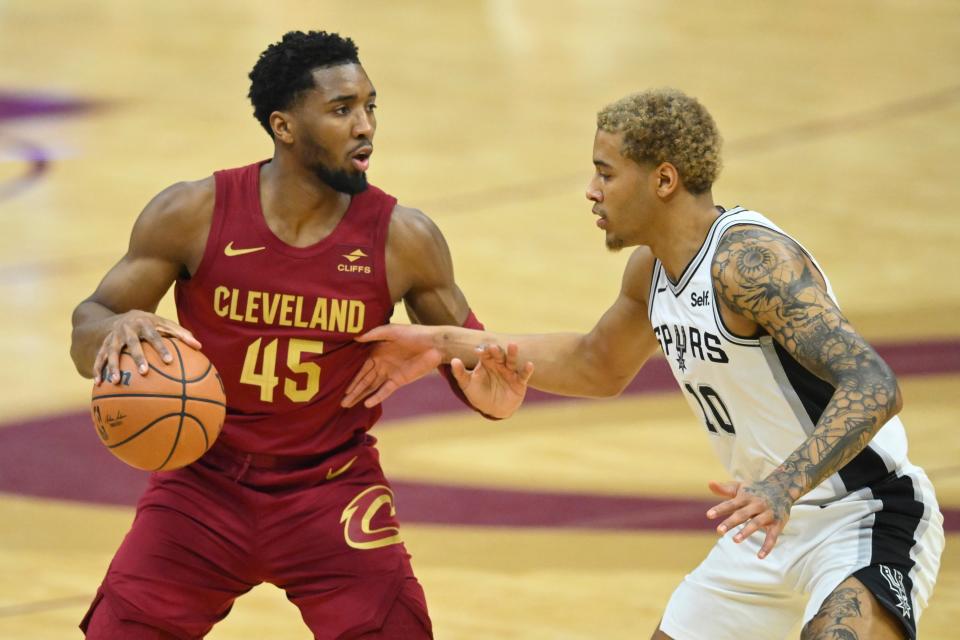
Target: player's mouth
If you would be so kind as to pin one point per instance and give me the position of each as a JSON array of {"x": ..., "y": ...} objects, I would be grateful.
[
  {"x": 361, "y": 158},
  {"x": 601, "y": 219}
]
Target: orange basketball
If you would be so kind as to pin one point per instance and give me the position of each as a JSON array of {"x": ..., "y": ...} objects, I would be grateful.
[{"x": 163, "y": 420}]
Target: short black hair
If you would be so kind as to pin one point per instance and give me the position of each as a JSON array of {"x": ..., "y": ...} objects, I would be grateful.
[{"x": 285, "y": 69}]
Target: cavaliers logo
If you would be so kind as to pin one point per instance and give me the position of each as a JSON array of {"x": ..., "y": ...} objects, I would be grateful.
[{"x": 359, "y": 529}]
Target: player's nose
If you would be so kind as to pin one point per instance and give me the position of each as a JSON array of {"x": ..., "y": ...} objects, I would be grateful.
[{"x": 363, "y": 126}]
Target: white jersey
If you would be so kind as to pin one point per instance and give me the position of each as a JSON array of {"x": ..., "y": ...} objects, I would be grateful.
[{"x": 756, "y": 402}]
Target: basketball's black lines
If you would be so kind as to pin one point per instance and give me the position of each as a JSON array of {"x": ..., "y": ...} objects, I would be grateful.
[
  {"x": 203, "y": 430},
  {"x": 173, "y": 447},
  {"x": 186, "y": 380},
  {"x": 145, "y": 428},
  {"x": 159, "y": 395}
]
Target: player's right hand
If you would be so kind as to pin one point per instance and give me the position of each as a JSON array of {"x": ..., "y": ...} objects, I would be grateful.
[
  {"x": 126, "y": 333},
  {"x": 401, "y": 354}
]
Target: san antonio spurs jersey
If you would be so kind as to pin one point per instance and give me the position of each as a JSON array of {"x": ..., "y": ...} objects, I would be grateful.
[{"x": 756, "y": 403}]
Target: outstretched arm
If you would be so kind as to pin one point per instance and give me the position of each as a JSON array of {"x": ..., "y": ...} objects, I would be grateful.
[
  {"x": 768, "y": 279},
  {"x": 597, "y": 364},
  {"x": 420, "y": 272}
]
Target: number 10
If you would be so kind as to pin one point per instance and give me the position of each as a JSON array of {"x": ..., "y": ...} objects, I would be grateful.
[{"x": 717, "y": 409}]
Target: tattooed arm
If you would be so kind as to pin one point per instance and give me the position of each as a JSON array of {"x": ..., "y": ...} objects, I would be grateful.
[{"x": 765, "y": 278}]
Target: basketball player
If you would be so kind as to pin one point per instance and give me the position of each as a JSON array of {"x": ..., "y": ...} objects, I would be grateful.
[
  {"x": 277, "y": 267},
  {"x": 797, "y": 405}
]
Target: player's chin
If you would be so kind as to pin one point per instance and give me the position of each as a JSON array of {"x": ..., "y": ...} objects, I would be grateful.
[{"x": 614, "y": 243}]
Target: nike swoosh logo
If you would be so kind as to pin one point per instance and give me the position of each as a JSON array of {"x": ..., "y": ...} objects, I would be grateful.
[
  {"x": 331, "y": 473},
  {"x": 230, "y": 251},
  {"x": 661, "y": 289}
]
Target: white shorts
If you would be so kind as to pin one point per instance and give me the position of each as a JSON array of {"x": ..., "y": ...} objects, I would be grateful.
[{"x": 890, "y": 535}]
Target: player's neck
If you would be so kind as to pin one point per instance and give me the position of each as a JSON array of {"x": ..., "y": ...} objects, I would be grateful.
[
  {"x": 290, "y": 192},
  {"x": 685, "y": 227}
]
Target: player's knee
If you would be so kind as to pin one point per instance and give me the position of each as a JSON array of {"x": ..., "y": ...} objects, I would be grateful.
[
  {"x": 102, "y": 623},
  {"x": 407, "y": 619}
]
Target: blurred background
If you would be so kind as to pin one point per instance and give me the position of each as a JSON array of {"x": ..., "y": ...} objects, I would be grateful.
[{"x": 575, "y": 519}]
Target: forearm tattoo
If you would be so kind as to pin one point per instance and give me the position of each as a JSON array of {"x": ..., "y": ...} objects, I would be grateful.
[{"x": 768, "y": 279}]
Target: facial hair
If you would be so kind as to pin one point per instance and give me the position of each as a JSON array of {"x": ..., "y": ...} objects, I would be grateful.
[
  {"x": 340, "y": 180},
  {"x": 337, "y": 179},
  {"x": 614, "y": 244}
]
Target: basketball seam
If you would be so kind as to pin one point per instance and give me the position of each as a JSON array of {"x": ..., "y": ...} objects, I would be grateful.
[
  {"x": 158, "y": 395},
  {"x": 203, "y": 430},
  {"x": 145, "y": 428},
  {"x": 173, "y": 447},
  {"x": 183, "y": 405}
]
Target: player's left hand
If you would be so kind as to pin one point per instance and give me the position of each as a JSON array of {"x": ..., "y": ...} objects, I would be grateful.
[
  {"x": 497, "y": 385},
  {"x": 759, "y": 505}
]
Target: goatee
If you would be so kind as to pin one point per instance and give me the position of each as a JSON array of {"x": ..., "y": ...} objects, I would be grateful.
[{"x": 342, "y": 181}]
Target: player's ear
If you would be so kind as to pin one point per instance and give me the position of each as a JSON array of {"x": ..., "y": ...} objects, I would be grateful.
[
  {"x": 667, "y": 179},
  {"x": 282, "y": 126}
]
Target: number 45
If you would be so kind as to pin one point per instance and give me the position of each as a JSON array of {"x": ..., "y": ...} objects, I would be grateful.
[{"x": 266, "y": 378}]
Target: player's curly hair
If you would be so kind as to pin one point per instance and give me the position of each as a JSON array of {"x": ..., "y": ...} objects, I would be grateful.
[
  {"x": 666, "y": 125},
  {"x": 285, "y": 69}
]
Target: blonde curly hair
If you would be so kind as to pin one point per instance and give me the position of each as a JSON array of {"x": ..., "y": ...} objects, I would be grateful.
[{"x": 666, "y": 125}]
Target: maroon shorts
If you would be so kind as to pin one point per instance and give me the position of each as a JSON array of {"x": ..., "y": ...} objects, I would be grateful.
[{"x": 326, "y": 534}]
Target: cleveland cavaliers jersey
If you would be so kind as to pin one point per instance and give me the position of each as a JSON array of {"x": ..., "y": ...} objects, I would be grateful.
[
  {"x": 756, "y": 402},
  {"x": 279, "y": 321}
]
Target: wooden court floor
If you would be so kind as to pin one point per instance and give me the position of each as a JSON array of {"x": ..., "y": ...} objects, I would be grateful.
[{"x": 841, "y": 122}]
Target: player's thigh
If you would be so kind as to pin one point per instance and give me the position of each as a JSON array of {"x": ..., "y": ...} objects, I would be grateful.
[
  {"x": 852, "y": 611},
  {"x": 184, "y": 560},
  {"x": 733, "y": 594}
]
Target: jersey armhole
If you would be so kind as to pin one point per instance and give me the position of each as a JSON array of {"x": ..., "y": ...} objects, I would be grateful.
[
  {"x": 380, "y": 252},
  {"x": 216, "y": 228}
]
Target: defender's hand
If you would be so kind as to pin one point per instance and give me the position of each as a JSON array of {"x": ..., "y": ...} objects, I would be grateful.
[
  {"x": 402, "y": 354},
  {"x": 761, "y": 505},
  {"x": 496, "y": 386},
  {"x": 128, "y": 330}
]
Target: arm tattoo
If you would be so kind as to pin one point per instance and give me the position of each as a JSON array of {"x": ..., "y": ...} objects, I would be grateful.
[{"x": 767, "y": 278}]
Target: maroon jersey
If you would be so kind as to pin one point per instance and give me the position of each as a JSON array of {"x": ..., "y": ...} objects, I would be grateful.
[{"x": 279, "y": 321}]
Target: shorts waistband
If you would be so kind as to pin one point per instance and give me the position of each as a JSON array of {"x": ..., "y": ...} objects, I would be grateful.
[{"x": 221, "y": 455}]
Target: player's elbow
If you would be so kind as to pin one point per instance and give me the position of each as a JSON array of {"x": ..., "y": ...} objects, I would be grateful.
[
  {"x": 891, "y": 389},
  {"x": 609, "y": 386},
  {"x": 897, "y": 405}
]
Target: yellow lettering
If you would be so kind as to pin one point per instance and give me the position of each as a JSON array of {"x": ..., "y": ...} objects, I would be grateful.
[
  {"x": 270, "y": 310},
  {"x": 338, "y": 315},
  {"x": 319, "y": 315},
  {"x": 220, "y": 295},
  {"x": 286, "y": 308},
  {"x": 234, "y": 298},
  {"x": 253, "y": 303},
  {"x": 357, "y": 311},
  {"x": 298, "y": 320}
]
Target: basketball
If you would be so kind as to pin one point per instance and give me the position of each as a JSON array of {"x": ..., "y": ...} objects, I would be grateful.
[{"x": 163, "y": 420}]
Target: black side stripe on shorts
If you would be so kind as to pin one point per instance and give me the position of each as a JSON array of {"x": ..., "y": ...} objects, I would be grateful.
[{"x": 894, "y": 535}]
